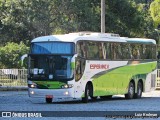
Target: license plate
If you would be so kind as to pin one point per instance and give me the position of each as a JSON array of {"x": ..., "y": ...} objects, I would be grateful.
[{"x": 49, "y": 96}]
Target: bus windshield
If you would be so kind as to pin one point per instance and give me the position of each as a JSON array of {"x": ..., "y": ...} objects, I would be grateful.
[
  {"x": 50, "y": 67},
  {"x": 50, "y": 61},
  {"x": 52, "y": 48}
]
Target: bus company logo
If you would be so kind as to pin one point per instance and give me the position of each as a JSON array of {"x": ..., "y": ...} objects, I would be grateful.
[{"x": 99, "y": 66}]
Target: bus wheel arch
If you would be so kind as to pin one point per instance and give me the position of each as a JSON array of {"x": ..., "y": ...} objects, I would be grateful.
[
  {"x": 88, "y": 92},
  {"x": 139, "y": 91},
  {"x": 131, "y": 90}
]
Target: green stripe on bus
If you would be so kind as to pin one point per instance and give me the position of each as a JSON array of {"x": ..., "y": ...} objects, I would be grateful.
[
  {"x": 49, "y": 84},
  {"x": 116, "y": 81}
]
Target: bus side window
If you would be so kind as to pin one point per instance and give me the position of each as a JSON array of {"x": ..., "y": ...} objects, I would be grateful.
[
  {"x": 107, "y": 51},
  {"x": 81, "y": 49},
  {"x": 100, "y": 47},
  {"x": 130, "y": 51},
  {"x": 147, "y": 52},
  {"x": 135, "y": 51},
  {"x": 141, "y": 51},
  {"x": 125, "y": 51},
  {"x": 79, "y": 69},
  {"x": 158, "y": 55},
  {"x": 116, "y": 51},
  {"x": 154, "y": 52},
  {"x": 93, "y": 50},
  {"x": 103, "y": 50},
  {"x": 112, "y": 51},
  {"x": 138, "y": 51}
]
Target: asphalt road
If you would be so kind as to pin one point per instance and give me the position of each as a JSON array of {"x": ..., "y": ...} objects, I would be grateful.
[{"x": 19, "y": 101}]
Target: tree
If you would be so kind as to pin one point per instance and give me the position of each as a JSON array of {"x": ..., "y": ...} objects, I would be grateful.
[
  {"x": 125, "y": 18},
  {"x": 155, "y": 12},
  {"x": 11, "y": 53},
  {"x": 24, "y": 20},
  {"x": 78, "y": 15}
]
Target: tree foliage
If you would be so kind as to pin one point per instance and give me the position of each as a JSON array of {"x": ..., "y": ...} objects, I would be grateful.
[
  {"x": 23, "y": 20},
  {"x": 155, "y": 12},
  {"x": 11, "y": 53},
  {"x": 123, "y": 17}
]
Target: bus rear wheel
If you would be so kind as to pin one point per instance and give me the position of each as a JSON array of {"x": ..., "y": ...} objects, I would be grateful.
[
  {"x": 131, "y": 91},
  {"x": 48, "y": 100},
  {"x": 139, "y": 90}
]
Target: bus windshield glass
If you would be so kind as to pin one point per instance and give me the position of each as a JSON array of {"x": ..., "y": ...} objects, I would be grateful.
[
  {"x": 52, "y": 48},
  {"x": 51, "y": 61},
  {"x": 50, "y": 67}
]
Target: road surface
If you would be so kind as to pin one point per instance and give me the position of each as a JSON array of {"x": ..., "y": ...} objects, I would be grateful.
[{"x": 18, "y": 101}]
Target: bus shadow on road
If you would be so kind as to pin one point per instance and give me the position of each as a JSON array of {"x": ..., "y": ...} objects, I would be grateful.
[
  {"x": 98, "y": 100},
  {"x": 114, "y": 98},
  {"x": 79, "y": 101}
]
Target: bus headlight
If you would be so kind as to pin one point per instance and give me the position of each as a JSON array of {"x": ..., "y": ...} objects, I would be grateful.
[
  {"x": 66, "y": 93},
  {"x": 33, "y": 85},
  {"x": 32, "y": 92},
  {"x": 67, "y": 86}
]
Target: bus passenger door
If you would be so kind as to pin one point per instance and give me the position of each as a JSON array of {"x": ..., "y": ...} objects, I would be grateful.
[{"x": 79, "y": 70}]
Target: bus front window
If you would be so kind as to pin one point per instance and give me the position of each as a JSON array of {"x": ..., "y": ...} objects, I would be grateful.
[
  {"x": 50, "y": 67},
  {"x": 51, "y": 60}
]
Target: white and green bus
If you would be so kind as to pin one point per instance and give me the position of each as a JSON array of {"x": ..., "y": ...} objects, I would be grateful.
[{"x": 90, "y": 65}]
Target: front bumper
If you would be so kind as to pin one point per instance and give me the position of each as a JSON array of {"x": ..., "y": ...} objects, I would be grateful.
[{"x": 56, "y": 93}]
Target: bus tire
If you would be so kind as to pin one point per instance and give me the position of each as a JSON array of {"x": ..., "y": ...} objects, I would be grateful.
[
  {"x": 86, "y": 94},
  {"x": 139, "y": 90},
  {"x": 131, "y": 91},
  {"x": 48, "y": 100},
  {"x": 91, "y": 93}
]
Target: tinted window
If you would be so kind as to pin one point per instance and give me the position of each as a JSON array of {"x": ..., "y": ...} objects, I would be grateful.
[
  {"x": 92, "y": 50},
  {"x": 52, "y": 48},
  {"x": 115, "y": 51},
  {"x": 82, "y": 49}
]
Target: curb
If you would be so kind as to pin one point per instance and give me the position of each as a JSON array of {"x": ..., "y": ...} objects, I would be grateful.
[{"x": 13, "y": 88}]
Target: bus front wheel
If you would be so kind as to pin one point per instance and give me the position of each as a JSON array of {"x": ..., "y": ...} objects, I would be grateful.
[
  {"x": 131, "y": 91},
  {"x": 86, "y": 94}
]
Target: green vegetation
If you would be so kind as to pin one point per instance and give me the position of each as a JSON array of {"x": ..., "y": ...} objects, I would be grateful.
[
  {"x": 155, "y": 12},
  {"x": 23, "y": 20},
  {"x": 11, "y": 53}
]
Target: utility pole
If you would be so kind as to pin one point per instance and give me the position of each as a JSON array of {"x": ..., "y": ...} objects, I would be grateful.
[
  {"x": 102, "y": 16},
  {"x": 157, "y": 30}
]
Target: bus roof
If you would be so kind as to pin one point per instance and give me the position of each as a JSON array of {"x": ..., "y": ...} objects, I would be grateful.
[
  {"x": 140, "y": 40},
  {"x": 74, "y": 37}
]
